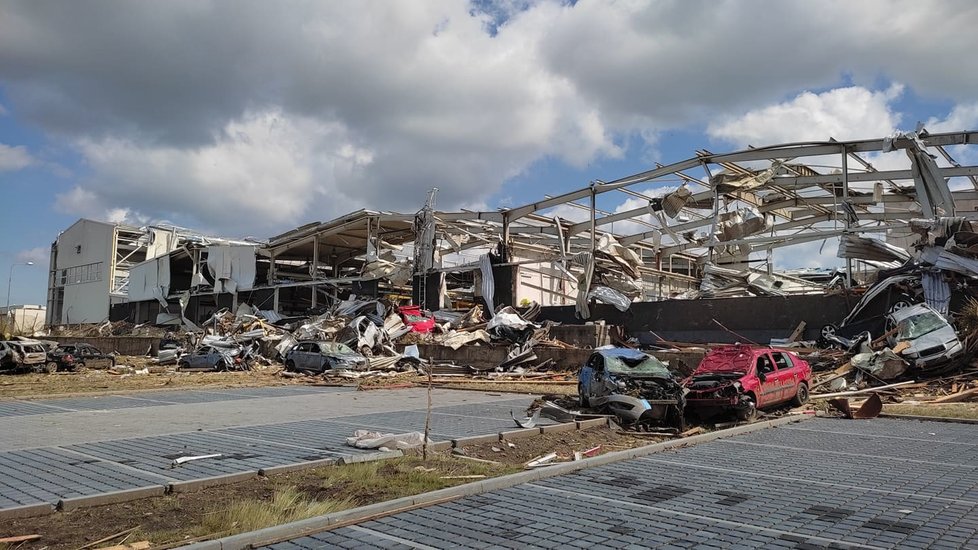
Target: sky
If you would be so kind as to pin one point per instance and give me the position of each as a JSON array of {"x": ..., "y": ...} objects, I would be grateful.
[{"x": 246, "y": 118}]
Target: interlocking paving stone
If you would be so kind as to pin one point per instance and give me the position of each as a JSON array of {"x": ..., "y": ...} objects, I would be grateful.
[
  {"x": 186, "y": 397},
  {"x": 156, "y": 399},
  {"x": 48, "y": 475},
  {"x": 24, "y": 408},
  {"x": 281, "y": 391},
  {"x": 765, "y": 490},
  {"x": 101, "y": 403},
  {"x": 156, "y": 454},
  {"x": 316, "y": 435}
]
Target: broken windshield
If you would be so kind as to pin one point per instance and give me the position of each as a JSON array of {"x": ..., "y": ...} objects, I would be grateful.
[
  {"x": 649, "y": 366},
  {"x": 335, "y": 347},
  {"x": 919, "y": 325}
]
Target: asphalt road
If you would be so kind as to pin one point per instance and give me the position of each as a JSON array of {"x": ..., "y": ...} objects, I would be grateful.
[
  {"x": 90, "y": 448},
  {"x": 823, "y": 483}
]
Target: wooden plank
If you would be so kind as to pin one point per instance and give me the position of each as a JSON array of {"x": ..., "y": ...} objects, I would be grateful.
[
  {"x": 958, "y": 397},
  {"x": 796, "y": 334},
  {"x": 19, "y": 538},
  {"x": 867, "y": 390}
]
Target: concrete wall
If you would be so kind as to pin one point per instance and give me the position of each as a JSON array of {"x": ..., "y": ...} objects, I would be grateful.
[
  {"x": 582, "y": 336},
  {"x": 757, "y": 319},
  {"x": 86, "y": 242},
  {"x": 124, "y": 345},
  {"x": 485, "y": 357}
]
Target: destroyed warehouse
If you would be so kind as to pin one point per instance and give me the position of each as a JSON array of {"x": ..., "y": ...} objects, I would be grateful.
[{"x": 653, "y": 252}]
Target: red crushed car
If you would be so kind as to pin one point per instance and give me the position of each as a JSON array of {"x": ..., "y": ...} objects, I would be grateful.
[
  {"x": 416, "y": 319},
  {"x": 742, "y": 379}
]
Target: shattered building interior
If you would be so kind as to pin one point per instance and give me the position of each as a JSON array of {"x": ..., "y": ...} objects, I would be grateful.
[{"x": 712, "y": 225}]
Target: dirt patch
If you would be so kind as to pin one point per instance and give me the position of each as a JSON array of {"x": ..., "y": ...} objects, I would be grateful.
[
  {"x": 95, "y": 381},
  {"x": 943, "y": 410}
]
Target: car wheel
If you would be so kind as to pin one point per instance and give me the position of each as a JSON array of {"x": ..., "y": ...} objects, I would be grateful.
[
  {"x": 51, "y": 367},
  {"x": 900, "y": 304},
  {"x": 828, "y": 331},
  {"x": 290, "y": 365},
  {"x": 183, "y": 365},
  {"x": 748, "y": 411},
  {"x": 801, "y": 396},
  {"x": 584, "y": 400}
]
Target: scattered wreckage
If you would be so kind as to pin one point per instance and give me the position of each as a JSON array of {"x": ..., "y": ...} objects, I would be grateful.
[
  {"x": 742, "y": 379},
  {"x": 25, "y": 355},
  {"x": 317, "y": 357},
  {"x": 926, "y": 339},
  {"x": 216, "y": 358},
  {"x": 70, "y": 357},
  {"x": 636, "y": 387}
]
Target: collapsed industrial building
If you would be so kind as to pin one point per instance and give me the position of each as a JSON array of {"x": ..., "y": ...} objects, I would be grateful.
[
  {"x": 716, "y": 233},
  {"x": 677, "y": 257}
]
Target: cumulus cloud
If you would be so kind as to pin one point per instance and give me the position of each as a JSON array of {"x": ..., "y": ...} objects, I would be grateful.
[
  {"x": 341, "y": 105},
  {"x": 14, "y": 158},
  {"x": 962, "y": 117},
  {"x": 843, "y": 113},
  {"x": 262, "y": 171}
]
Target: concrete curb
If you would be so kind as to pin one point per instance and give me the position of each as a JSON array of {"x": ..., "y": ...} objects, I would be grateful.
[
  {"x": 125, "y": 495},
  {"x": 592, "y": 423},
  {"x": 930, "y": 418},
  {"x": 557, "y": 428},
  {"x": 439, "y": 446},
  {"x": 519, "y": 434},
  {"x": 308, "y": 464},
  {"x": 27, "y": 511},
  {"x": 271, "y": 535},
  {"x": 380, "y": 455},
  {"x": 475, "y": 440},
  {"x": 194, "y": 484}
]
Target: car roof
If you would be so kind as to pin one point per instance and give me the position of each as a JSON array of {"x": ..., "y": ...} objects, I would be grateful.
[
  {"x": 906, "y": 312},
  {"x": 627, "y": 353}
]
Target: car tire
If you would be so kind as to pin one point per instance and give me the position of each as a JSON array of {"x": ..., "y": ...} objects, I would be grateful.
[
  {"x": 183, "y": 365},
  {"x": 290, "y": 366},
  {"x": 748, "y": 413},
  {"x": 902, "y": 303},
  {"x": 51, "y": 367},
  {"x": 801, "y": 396}
]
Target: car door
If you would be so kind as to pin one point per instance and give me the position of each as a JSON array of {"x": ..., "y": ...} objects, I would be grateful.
[
  {"x": 769, "y": 391},
  {"x": 588, "y": 375},
  {"x": 786, "y": 374},
  {"x": 302, "y": 356}
]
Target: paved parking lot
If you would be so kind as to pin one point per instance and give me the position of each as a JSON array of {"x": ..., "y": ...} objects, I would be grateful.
[
  {"x": 52, "y": 450},
  {"x": 819, "y": 484}
]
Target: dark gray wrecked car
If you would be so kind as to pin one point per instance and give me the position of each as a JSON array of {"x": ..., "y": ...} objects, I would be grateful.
[
  {"x": 634, "y": 386},
  {"x": 317, "y": 357}
]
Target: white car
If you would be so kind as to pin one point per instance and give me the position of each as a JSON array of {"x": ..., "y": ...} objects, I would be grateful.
[{"x": 932, "y": 340}]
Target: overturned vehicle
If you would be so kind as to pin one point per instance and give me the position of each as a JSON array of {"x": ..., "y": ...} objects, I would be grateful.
[
  {"x": 634, "y": 386},
  {"x": 741, "y": 379}
]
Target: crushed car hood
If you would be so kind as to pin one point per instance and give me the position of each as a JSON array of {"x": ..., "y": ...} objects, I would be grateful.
[{"x": 726, "y": 360}]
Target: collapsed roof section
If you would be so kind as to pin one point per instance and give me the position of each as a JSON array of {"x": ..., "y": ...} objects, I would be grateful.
[{"x": 705, "y": 226}]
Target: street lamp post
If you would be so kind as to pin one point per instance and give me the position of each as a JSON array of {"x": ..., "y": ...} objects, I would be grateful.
[{"x": 10, "y": 278}]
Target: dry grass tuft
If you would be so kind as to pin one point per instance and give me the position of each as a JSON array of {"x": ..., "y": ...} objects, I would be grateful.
[{"x": 287, "y": 505}]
